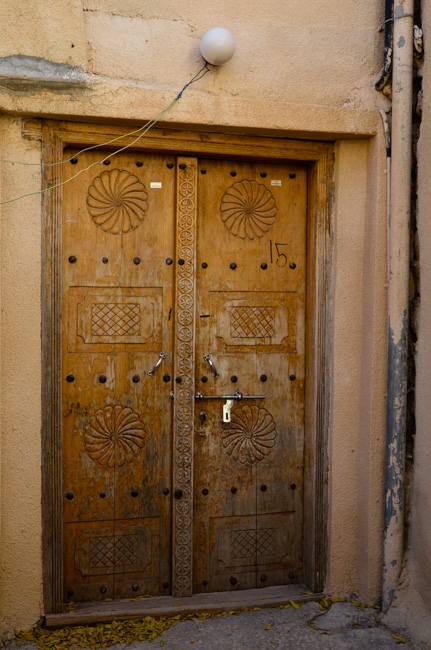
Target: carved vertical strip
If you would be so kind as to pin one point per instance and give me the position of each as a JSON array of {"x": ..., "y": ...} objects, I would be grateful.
[{"x": 184, "y": 368}]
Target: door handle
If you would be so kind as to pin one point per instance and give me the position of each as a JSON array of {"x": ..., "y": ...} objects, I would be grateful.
[
  {"x": 207, "y": 357},
  {"x": 158, "y": 362},
  {"x": 236, "y": 396}
]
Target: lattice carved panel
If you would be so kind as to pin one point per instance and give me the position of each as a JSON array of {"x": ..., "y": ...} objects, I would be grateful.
[
  {"x": 243, "y": 542},
  {"x": 247, "y": 544},
  {"x": 99, "y": 551},
  {"x": 100, "y": 317},
  {"x": 253, "y": 321},
  {"x": 111, "y": 319},
  {"x": 112, "y": 551}
]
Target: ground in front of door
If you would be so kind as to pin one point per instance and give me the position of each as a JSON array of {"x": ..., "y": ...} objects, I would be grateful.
[{"x": 343, "y": 625}]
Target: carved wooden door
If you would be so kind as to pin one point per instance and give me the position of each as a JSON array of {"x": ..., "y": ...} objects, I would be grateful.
[
  {"x": 183, "y": 258},
  {"x": 117, "y": 298},
  {"x": 250, "y": 319}
]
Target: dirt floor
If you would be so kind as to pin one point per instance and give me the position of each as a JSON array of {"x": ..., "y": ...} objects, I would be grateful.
[{"x": 345, "y": 625}]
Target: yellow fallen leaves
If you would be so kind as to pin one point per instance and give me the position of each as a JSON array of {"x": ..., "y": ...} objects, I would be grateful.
[
  {"x": 267, "y": 627},
  {"x": 399, "y": 639},
  {"x": 324, "y": 604},
  {"x": 358, "y": 604},
  {"x": 337, "y": 600},
  {"x": 295, "y": 605},
  {"x": 104, "y": 635}
]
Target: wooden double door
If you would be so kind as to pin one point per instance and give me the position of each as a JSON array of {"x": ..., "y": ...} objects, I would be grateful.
[{"x": 183, "y": 323}]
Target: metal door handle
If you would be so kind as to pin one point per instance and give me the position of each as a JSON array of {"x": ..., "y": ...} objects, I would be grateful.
[
  {"x": 207, "y": 357},
  {"x": 237, "y": 396},
  {"x": 159, "y": 361}
]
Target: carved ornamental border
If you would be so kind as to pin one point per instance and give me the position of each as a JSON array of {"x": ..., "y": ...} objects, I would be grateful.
[{"x": 184, "y": 362}]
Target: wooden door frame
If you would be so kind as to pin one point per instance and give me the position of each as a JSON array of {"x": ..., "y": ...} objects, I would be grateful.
[{"x": 318, "y": 156}]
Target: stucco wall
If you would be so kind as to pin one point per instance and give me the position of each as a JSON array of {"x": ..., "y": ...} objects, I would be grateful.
[
  {"x": 20, "y": 541},
  {"x": 301, "y": 70}
]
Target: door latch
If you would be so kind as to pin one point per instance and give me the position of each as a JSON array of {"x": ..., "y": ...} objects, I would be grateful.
[
  {"x": 229, "y": 399},
  {"x": 159, "y": 361},
  {"x": 207, "y": 357},
  {"x": 226, "y": 410}
]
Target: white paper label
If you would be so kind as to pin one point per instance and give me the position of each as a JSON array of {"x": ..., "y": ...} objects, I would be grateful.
[
  {"x": 155, "y": 186},
  {"x": 275, "y": 182}
]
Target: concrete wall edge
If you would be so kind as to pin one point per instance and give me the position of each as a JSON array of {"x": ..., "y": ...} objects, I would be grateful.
[{"x": 112, "y": 103}]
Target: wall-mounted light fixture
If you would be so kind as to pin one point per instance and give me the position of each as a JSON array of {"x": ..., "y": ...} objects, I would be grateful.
[{"x": 217, "y": 46}]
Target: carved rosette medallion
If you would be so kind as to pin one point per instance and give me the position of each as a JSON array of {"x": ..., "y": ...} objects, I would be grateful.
[
  {"x": 184, "y": 364},
  {"x": 248, "y": 209},
  {"x": 114, "y": 436},
  {"x": 251, "y": 434},
  {"x": 117, "y": 201}
]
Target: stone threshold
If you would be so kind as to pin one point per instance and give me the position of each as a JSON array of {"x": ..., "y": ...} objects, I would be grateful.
[{"x": 222, "y": 601}]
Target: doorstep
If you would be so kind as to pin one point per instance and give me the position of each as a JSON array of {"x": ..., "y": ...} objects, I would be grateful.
[{"x": 222, "y": 601}]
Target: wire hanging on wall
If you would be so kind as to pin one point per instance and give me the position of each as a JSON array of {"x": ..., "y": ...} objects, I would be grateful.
[{"x": 142, "y": 131}]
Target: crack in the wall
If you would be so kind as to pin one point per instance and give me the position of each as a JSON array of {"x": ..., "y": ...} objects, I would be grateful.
[
  {"x": 137, "y": 15},
  {"x": 414, "y": 283}
]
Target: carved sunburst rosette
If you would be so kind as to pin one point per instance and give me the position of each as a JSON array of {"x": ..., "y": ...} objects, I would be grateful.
[
  {"x": 117, "y": 201},
  {"x": 250, "y": 435},
  {"x": 248, "y": 209},
  {"x": 114, "y": 436}
]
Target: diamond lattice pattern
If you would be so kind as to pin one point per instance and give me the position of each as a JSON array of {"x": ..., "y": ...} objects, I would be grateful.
[
  {"x": 109, "y": 552},
  {"x": 110, "y": 319},
  {"x": 246, "y": 544},
  {"x": 252, "y": 322}
]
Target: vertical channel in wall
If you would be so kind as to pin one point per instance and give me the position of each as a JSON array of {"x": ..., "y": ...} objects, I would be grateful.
[{"x": 414, "y": 280}]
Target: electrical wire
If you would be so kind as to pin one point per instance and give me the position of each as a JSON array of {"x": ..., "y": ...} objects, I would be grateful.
[{"x": 145, "y": 128}]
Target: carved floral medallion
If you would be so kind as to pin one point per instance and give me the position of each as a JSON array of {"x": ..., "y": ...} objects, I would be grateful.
[
  {"x": 251, "y": 434},
  {"x": 114, "y": 436},
  {"x": 117, "y": 201},
  {"x": 248, "y": 209}
]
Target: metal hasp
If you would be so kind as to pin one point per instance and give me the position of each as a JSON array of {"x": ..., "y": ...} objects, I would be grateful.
[
  {"x": 207, "y": 357},
  {"x": 229, "y": 399},
  {"x": 236, "y": 396},
  {"x": 159, "y": 361}
]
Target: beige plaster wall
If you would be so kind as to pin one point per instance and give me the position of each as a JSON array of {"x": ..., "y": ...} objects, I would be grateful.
[
  {"x": 301, "y": 70},
  {"x": 357, "y": 431},
  {"x": 20, "y": 539}
]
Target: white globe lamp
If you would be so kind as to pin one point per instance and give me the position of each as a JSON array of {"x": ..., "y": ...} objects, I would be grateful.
[{"x": 217, "y": 46}]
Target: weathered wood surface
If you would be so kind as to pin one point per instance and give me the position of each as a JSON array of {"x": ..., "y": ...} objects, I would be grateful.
[
  {"x": 251, "y": 274},
  {"x": 117, "y": 295},
  {"x": 87, "y": 613}
]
